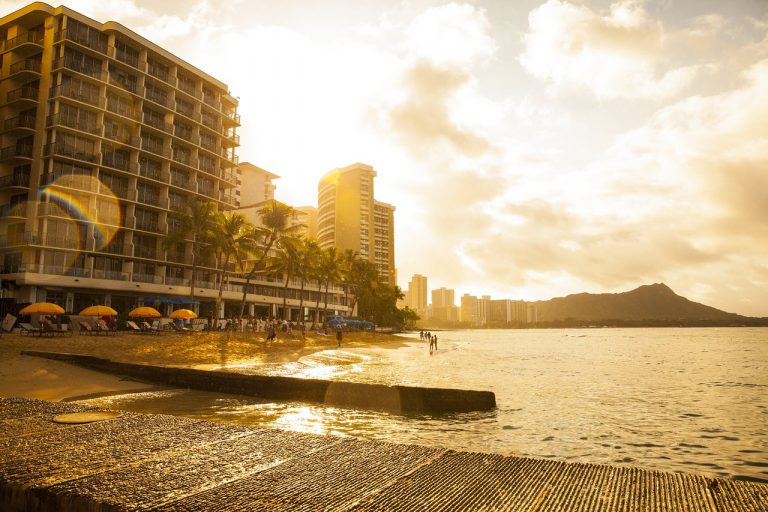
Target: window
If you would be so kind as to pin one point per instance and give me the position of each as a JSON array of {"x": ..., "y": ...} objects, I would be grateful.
[{"x": 148, "y": 194}]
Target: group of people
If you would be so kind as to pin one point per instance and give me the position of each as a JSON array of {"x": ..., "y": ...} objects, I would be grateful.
[{"x": 432, "y": 338}]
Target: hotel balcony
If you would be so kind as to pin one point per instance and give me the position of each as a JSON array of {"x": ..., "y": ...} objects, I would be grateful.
[
  {"x": 33, "y": 40},
  {"x": 8, "y": 211},
  {"x": 14, "y": 181},
  {"x": 21, "y": 122},
  {"x": 124, "y": 57},
  {"x": 84, "y": 38},
  {"x": 70, "y": 151},
  {"x": 164, "y": 101},
  {"x": 68, "y": 62},
  {"x": 111, "y": 275},
  {"x": 74, "y": 123},
  {"x": 156, "y": 123},
  {"x": 147, "y": 278},
  {"x": 118, "y": 249},
  {"x": 155, "y": 149},
  {"x": 75, "y": 93},
  {"x": 116, "y": 161},
  {"x": 16, "y": 152},
  {"x": 140, "y": 251},
  {"x": 176, "y": 281},
  {"x": 56, "y": 270},
  {"x": 28, "y": 67},
  {"x": 24, "y": 93}
]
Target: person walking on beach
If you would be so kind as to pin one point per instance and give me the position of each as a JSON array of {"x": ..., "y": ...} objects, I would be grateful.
[
  {"x": 434, "y": 341},
  {"x": 338, "y": 337},
  {"x": 421, "y": 335},
  {"x": 271, "y": 332}
]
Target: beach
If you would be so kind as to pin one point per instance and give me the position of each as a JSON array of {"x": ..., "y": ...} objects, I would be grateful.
[{"x": 32, "y": 377}]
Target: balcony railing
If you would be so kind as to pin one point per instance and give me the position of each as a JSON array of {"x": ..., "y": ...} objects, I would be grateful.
[
  {"x": 32, "y": 65},
  {"x": 72, "y": 151},
  {"x": 125, "y": 84},
  {"x": 12, "y": 210},
  {"x": 58, "y": 270},
  {"x": 119, "y": 249},
  {"x": 116, "y": 161},
  {"x": 158, "y": 97},
  {"x": 155, "y": 148},
  {"x": 26, "y": 92},
  {"x": 144, "y": 252},
  {"x": 74, "y": 122},
  {"x": 84, "y": 37},
  {"x": 176, "y": 281},
  {"x": 154, "y": 122},
  {"x": 123, "y": 56},
  {"x": 147, "y": 278},
  {"x": 23, "y": 121},
  {"x": 25, "y": 38},
  {"x": 16, "y": 151},
  {"x": 112, "y": 275},
  {"x": 189, "y": 88},
  {"x": 69, "y": 62},
  {"x": 77, "y": 93},
  {"x": 14, "y": 180},
  {"x": 186, "y": 135}
]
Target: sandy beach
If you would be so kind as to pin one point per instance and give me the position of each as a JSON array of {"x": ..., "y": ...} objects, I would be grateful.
[{"x": 32, "y": 377}]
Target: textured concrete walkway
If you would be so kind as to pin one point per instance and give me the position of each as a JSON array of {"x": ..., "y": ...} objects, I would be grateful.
[{"x": 156, "y": 462}]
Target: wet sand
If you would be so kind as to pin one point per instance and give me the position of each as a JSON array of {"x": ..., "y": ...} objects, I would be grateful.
[{"x": 32, "y": 377}]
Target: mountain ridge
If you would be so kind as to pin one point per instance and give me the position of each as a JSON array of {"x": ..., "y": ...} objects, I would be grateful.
[{"x": 652, "y": 302}]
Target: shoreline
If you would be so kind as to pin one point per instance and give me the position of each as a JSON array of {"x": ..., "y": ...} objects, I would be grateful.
[{"x": 31, "y": 377}]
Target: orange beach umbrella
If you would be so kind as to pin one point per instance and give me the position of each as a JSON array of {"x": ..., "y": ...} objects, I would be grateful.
[
  {"x": 42, "y": 308},
  {"x": 98, "y": 311},
  {"x": 184, "y": 313},
  {"x": 145, "y": 312}
]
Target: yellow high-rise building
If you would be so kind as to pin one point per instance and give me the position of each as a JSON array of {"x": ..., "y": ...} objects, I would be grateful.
[{"x": 350, "y": 218}]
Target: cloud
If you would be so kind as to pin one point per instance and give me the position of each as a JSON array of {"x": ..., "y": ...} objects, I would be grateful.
[
  {"x": 423, "y": 119},
  {"x": 451, "y": 34},
  {"x": 613, "y": 54}
]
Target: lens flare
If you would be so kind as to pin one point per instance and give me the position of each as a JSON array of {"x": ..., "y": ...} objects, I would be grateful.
[{"x": 104, "y": 214}]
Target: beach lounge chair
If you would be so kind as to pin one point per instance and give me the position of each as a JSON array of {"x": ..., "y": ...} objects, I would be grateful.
[
  {"x": 51, "y": 330},
  {"x": 86, "y": 328},
  {"x": 29, "y": 329},
  {"x": 178, "y": 329},
  {"x": 133, "y": 327},
  {"x": 103, "y": 328},
  {"x": 151, "y": 329}
]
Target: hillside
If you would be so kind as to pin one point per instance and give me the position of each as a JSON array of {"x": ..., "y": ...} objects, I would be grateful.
[{"x": 655, "y": 302}]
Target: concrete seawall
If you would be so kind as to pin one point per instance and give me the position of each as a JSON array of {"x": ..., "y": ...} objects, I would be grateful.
[
  {"x": 400, "y": 399},
  {"x": 157, "y": 462}
]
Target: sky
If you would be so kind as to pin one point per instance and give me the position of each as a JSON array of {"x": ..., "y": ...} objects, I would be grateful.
[{"x": 532, "y": 148}]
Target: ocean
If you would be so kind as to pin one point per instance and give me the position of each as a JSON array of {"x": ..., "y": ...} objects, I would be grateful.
[{"x": 693, "y": 400}]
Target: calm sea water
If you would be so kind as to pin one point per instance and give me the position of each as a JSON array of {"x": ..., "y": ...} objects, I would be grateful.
[{"x": 691, "y": 400}]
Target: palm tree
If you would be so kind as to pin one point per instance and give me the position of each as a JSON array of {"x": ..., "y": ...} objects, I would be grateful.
[
  {"x": 348, "y": 258},
  {"x": 285, "y": 261},
  {"x": 330, "y": 272},
  {"x": 231, "y": 239},
  {"x": 308, "y": 256},
  {"x": 277, "y": 222},
  {"x": 197, "y": 226},
  {"x": 363, "y": 283}
]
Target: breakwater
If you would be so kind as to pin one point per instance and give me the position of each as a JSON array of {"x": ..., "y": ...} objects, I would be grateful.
[
  {"x": 158, "y": 462},
  {"x": 399, "y": 399}
]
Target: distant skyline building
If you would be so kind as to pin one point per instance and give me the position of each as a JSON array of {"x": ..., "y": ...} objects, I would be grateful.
[
  {"x": 309, "y": 219},
  {"x": 442, "y": 297},
  {"x": 417, "y": 293},
  {"x": 349, "y": 218}
]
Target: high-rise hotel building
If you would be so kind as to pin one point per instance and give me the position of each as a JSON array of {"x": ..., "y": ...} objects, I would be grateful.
[
  {"x": 106, "y": 137},
  {"x": 350, "y": 218}
]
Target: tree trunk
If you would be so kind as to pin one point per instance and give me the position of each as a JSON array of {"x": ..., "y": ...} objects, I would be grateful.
[
  {"x": 325, "y": 306},
  {"x": 285, "y": 295},
  {"x": 301, "y": 300},
  {"x": 221, "y": 284},
  {"x": 317, "y": 305},
  {"x": 251, "y": 274}
]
